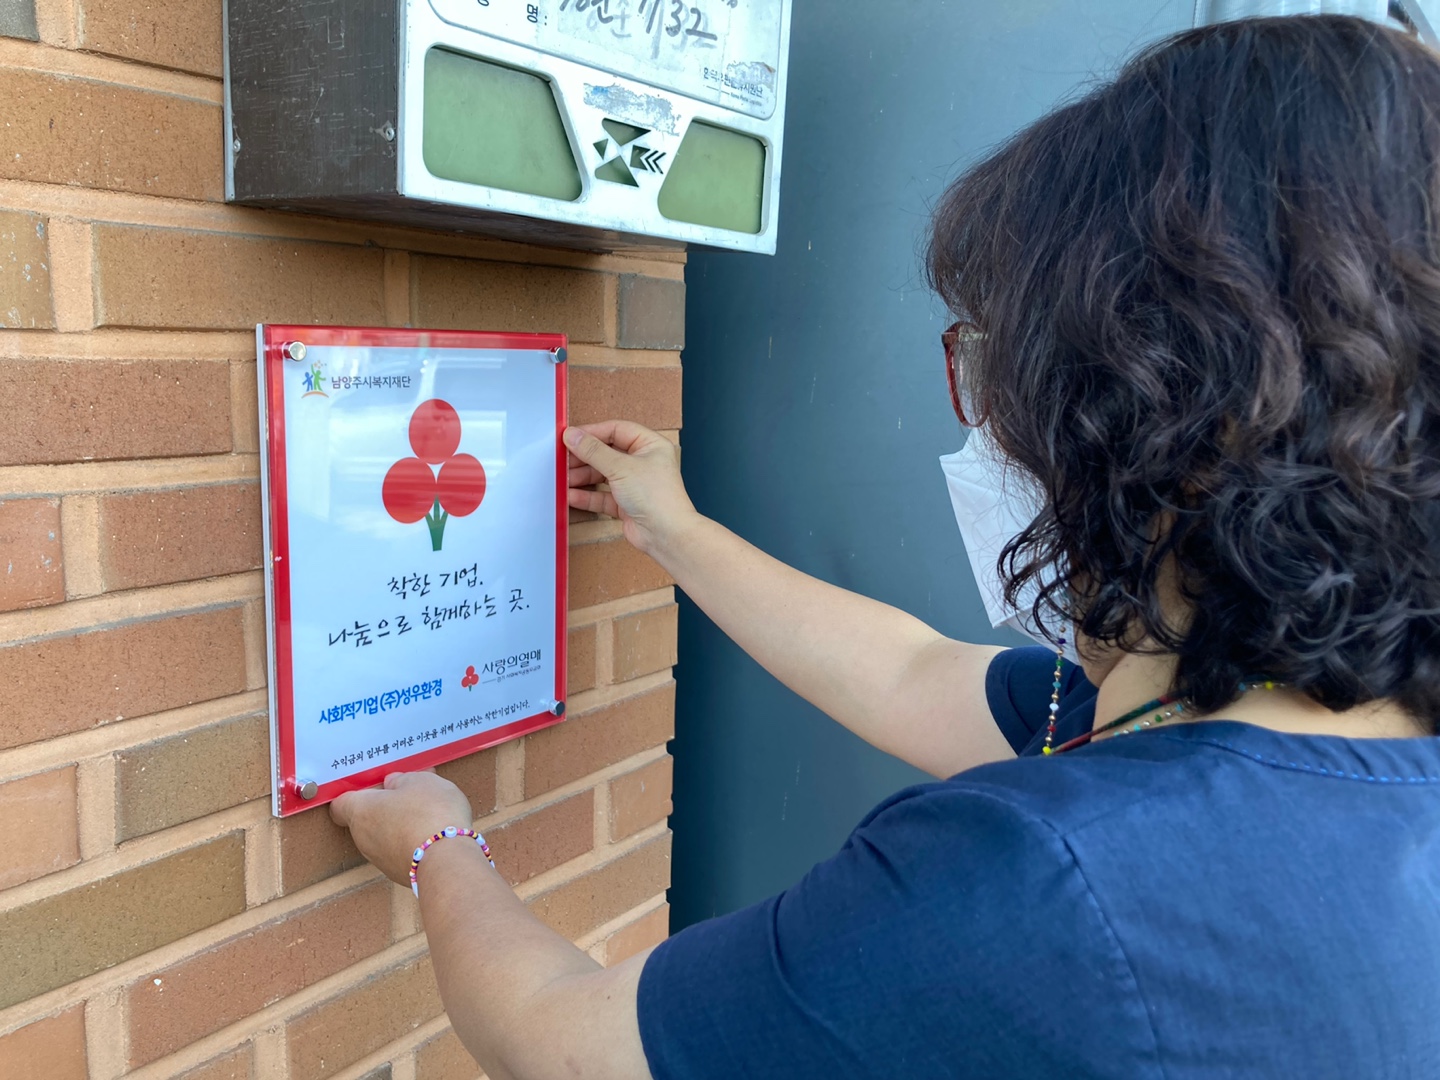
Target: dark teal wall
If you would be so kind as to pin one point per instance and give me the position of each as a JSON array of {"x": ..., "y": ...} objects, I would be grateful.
[{"x": 815, "y": 401}]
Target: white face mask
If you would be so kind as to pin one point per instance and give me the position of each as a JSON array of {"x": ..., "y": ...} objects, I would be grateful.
[{"x": 993, "y": 504}]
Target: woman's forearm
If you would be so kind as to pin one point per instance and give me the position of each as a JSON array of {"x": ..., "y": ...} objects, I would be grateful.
[
  {"x": 885, "y": 675},
  {"x": 526, "y": 1003},
  {"x": 882, "y": 673}
]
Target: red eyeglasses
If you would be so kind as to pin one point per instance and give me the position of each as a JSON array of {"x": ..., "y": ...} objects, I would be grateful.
[{"x": 961, "y": 336}]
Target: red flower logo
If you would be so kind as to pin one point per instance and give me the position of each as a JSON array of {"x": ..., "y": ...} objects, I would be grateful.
[
  {"x": 470, "y": 678},
  {"x": 412, "y": 490}
]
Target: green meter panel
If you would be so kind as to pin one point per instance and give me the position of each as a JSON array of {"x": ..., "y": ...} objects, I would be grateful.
[{"x": 592, "y": 123}]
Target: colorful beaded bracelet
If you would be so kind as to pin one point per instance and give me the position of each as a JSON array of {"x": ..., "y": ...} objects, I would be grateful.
[{"x": 444, "y": 834}]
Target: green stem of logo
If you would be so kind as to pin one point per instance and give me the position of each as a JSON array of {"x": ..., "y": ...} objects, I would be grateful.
[{"x": 436, "y": 520}]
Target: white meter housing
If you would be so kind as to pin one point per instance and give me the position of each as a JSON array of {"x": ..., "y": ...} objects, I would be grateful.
[
  {"x": 1409, "y": 15},
  {"x": 593, "y": 123}
]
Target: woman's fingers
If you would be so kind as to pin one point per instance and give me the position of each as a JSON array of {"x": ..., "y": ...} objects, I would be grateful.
[
  {"x": 594, "y": 451},
  {"x": 582, "y": 476},
  {"x": 630, "y": 437},
  {"x": 625, "y": 437},
  {"x": 638, "y": 473},
  {"x": 606, "y": 446},
  {"x": 346, "y": 808},
  {"x": 585, "y": 476},
  {"x": 594, "y": 502},
  {"x": 340, "y": 810}
]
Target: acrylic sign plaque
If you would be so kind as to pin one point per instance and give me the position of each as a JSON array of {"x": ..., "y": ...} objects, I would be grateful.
[{"x": 416, "y": 540}]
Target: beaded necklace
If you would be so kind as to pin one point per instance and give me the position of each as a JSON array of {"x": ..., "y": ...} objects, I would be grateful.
[
  {"x": 1054, "y": 696},
  {"x": 1168, "y": 707}
]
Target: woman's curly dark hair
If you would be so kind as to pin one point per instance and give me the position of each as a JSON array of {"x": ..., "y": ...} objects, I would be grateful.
[{"x": 1208, "y": 303}]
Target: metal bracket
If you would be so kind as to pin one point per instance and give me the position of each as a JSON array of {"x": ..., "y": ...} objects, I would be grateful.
[{"x": 1417, "y": 18}]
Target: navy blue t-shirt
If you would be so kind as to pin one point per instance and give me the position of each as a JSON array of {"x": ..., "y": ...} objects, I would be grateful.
[{"x": 1212, "y": 899}]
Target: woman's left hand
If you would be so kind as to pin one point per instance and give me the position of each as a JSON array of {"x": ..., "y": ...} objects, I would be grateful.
[{"x": 388, "y": 823}]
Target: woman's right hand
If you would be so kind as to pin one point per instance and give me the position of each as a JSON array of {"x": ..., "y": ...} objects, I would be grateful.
[{"x": 642, "y": 469}]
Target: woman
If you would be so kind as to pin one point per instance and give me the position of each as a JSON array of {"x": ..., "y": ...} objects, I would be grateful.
[{"x": 1204, "y": 317}]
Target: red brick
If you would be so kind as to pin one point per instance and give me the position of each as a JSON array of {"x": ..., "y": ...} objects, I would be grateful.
[
  {"x": 39, "y": 823},
  {"x": 645, "y": 642},
  {"x": 607, "y": 892},
  {"x": 475, "y": 776},
  {"x": 48, "y": 1049},
  {"x": 178, "y": 1005},
  {"x": 24, "y": 272},
  {"x": 57, "y": 939},
  {"x": 580, "y": 659},
  {"x": 245, "y": 393},
  {"x": 73, "y": 682},
  {"x": 236, "y": 1065},
  {"x": 641, "y": 798},
  {"x": 151, "y": 277},
  {"x": 468, "y": 294},
  {"x": 644, "y": 933},
  {"x": 185, "y": 35},
  {"x": 360, "y": 1020},
  {"x": 313, "y": 848},
  {"x": 647, "y": 395},
  {"x": 444, "y": 1057},
  {"x": 592, "y": 740},
  {"x": 91, "y": 134},
  {"x": 60, "y": 411},
  {"x": 30, "y": 538},
  {"x": 607, "y": 570},
  {"x": 544, "y": 838},
  {"x": 156, "y": 783},
  {"x": 156, "y": 537}
]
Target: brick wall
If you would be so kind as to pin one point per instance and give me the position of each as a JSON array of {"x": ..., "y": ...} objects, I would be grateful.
[{"x": 155, "y": 921}]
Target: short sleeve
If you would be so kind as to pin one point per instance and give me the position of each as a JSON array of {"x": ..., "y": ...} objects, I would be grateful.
[
  {"x": 942, "y": 940},
  {"x": 1018, "y": 684}
]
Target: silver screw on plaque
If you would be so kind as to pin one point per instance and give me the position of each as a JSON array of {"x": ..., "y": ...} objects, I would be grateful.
[
  {"x": 308, "y": 789},
  {"x": 557, "y": 708},
  {"x": 235, "y": 146},
  {"x": 389, "y": 132},
  {"x": 295, "y": 350},
  {"x": 558, "y": 355}
]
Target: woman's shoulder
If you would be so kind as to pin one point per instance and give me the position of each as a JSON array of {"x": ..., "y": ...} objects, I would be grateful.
[
  {"x": 1255, "y": 803},
  {"x": 944, "y": 918},
  {"x": 940, "y": 932},
  {"x": 1052, "y": 794}
]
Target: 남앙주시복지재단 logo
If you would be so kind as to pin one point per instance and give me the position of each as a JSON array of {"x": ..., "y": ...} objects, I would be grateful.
[{"x": 314, "y": 380}]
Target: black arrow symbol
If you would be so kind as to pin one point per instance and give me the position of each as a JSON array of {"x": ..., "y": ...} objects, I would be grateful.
[{"x": 646, "y": 160}]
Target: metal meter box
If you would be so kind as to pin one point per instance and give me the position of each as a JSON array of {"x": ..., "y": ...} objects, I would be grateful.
[
  {"x": 589, "y": 123},
  {"x": 1408, "y": 15}
]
